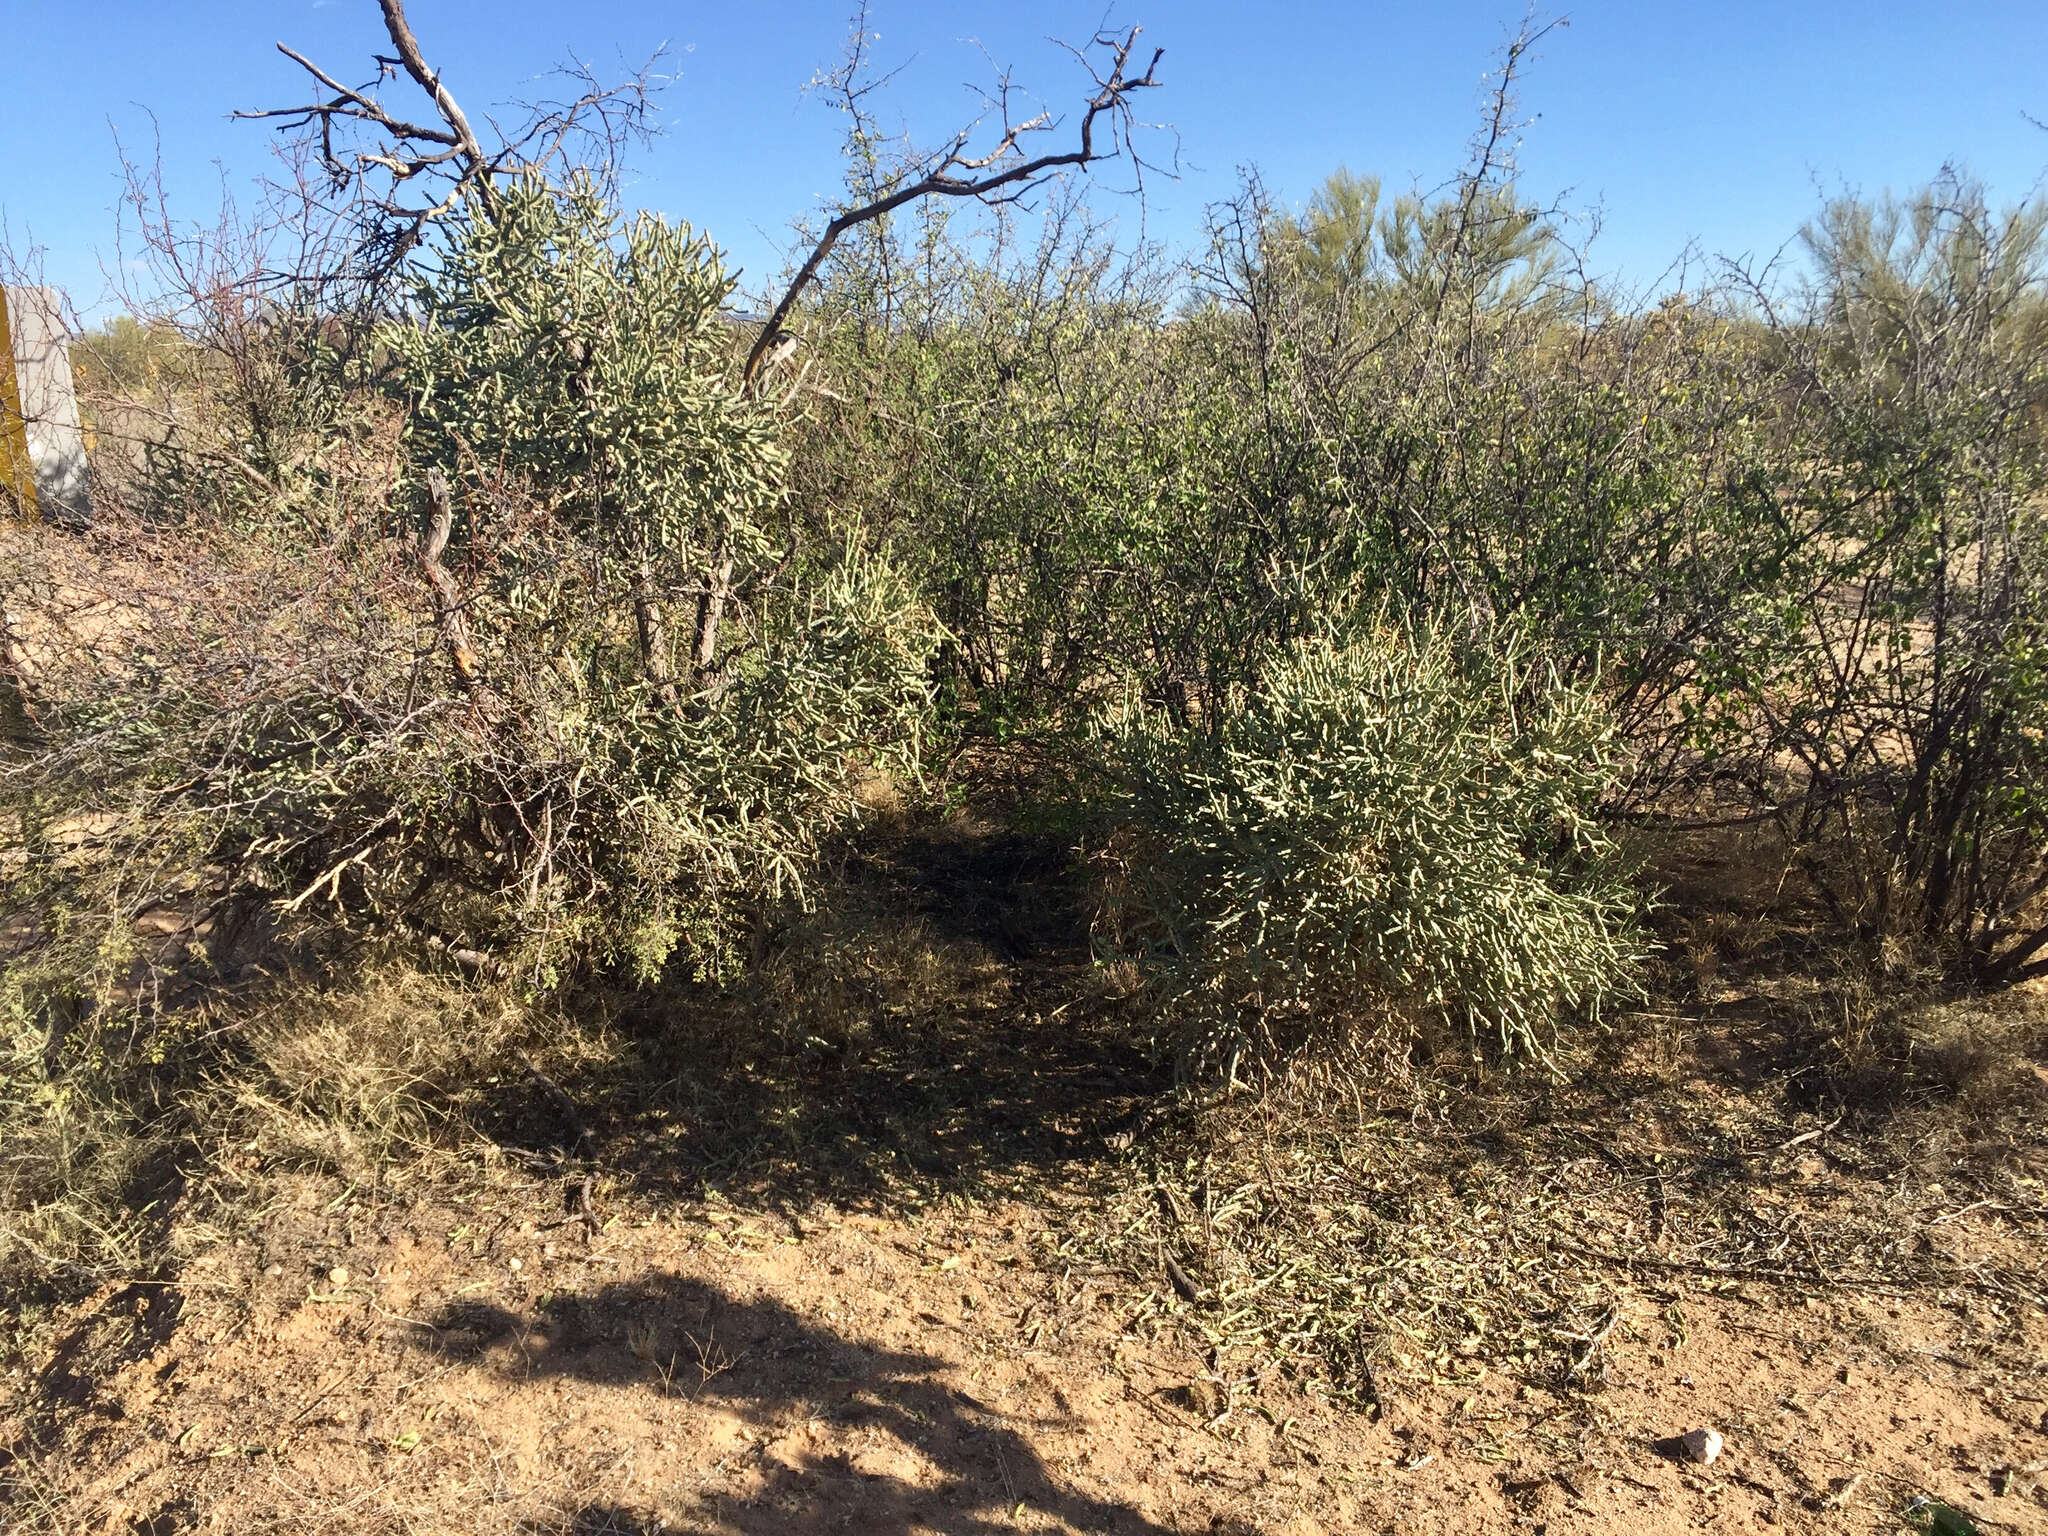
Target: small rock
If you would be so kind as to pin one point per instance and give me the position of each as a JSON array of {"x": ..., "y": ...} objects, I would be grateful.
[
  {"x": 515, "y": 1264},
  {"x": 1700, "y": 1445},
  {"x": 337, "y": 1276},
  {"x": 273, "y": 1272}
]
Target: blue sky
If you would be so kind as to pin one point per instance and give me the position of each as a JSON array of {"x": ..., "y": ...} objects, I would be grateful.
[{"x": 1722, "y": 124}]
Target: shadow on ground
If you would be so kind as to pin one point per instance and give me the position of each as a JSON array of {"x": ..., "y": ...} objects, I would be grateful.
[
  {"x": 937, "y": 1025},
  {"x": 846, "y": 1435}
]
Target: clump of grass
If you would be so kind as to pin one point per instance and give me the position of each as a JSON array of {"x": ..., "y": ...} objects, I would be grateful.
[
  {"x": 86, "y": 1125},
  {"x": 70, "y": 1166},
  {"x": 343, "y": 1080},
  {"x": 1892, "y": 1043},
  {"x": 129, "y": 1141}
]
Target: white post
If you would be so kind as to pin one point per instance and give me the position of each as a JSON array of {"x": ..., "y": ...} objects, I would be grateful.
[{"x": 40, "y": 398}]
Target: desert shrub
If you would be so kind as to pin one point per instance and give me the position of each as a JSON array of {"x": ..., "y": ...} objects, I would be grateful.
[
  {"x": 1454, "y": 413},
  {"x": 1790, "y": 538},
  {"x": 1109, "y": 472},
  {"x": 1913, "y": 709},
  {"x": 994, "y": 414},
  {"x": 442, "y": 683},
  {"x": 1382, "y": 833}
]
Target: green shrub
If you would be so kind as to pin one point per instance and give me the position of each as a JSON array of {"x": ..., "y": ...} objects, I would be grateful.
[
  {"x": 595, "y": 716},
  {"x": 1380, "y": 834},
  {"x": 1913, "y": 713}
]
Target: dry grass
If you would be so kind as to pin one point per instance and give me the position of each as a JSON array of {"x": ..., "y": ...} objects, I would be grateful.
[
  {"x": 349, "y": 1081},
  {"x": 937, "y": 1038},
  {"x": 1369, "y": 1246},
  {"x": 1786, "y": 1117},
  {"x": 164, "y": 1140}
]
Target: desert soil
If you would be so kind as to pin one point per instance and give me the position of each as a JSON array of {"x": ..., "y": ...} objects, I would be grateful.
[
  {"x": 486, "y": 1366},
  {"x": 687, "y": 1345}
]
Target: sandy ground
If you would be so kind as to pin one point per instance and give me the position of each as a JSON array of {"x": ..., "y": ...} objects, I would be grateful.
[
  {"x": 485, "y": 1366},
  {"x": 793, "y": 1338}
]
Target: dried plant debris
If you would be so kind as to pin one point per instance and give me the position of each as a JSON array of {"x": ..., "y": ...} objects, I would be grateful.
[{"x": 1518, "y": 1226}]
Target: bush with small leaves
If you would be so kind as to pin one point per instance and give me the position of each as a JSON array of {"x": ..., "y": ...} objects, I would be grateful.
[
  {"x": 1383, "y": 832},
  {"x": 596, "y": 716}
]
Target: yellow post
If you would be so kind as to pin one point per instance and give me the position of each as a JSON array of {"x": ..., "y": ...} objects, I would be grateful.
[{"x": 17, "y": 474}]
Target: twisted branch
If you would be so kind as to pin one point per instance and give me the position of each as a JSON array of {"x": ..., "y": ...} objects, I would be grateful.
[{"x": 998, "y": 176}]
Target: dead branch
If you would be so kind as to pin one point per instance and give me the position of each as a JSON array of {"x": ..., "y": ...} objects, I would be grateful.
[
  {"x": 416, "y": 66},
  {"x": 448, "y": 601},
  {"x": 444, "y": 155},
  {"x": 1003, "y": 174}
]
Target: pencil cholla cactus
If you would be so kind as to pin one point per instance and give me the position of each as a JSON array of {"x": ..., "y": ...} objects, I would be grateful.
[
  {"x": 1381, "y": 832},
  {"x": 585, "y": 357}
]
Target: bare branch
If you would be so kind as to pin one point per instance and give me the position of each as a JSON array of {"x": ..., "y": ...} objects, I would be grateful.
[
  {"x": 999, "y": 176},
  {"x": 447, "y": 600},
  {"x": 348, "y": 103},
  {"x": 444, "y": 154},
  {"x": 415, "y": 65}
]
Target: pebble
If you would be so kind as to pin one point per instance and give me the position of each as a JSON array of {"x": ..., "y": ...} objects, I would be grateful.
[
  {"x": 1700, "y": 1445},
  {"x": 337, "y": 1275},
  {"x": 273, "y": 1272}
]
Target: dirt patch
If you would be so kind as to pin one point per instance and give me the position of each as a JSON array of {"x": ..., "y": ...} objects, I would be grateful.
[
  {"x": 472, "y": 1367},
  {"x": 898, "y": 1261}
]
